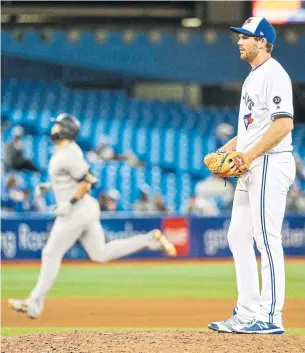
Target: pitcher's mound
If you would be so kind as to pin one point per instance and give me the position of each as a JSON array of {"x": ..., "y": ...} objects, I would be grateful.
[{"x": 152, "y": 342}]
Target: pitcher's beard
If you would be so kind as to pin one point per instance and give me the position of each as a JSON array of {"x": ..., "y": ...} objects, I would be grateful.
[{"x": 248, "y": 57}]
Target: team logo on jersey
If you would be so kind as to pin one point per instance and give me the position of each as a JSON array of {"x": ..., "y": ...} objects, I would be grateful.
[
  {"x": 248, "y": 100},
  {"x": 277, "y": 100},
  {"x": 248, "y": 120}
]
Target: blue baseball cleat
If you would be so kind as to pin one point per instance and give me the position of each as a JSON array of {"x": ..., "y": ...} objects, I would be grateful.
[
  {"x": 226, "y": 326},
  {"x": 260, "y": 327}
]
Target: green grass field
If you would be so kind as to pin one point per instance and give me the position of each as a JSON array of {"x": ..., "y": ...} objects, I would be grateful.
[{"x": 163, "y": 280}]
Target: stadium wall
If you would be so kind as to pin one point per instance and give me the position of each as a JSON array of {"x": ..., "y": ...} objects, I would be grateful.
[
  {"x": 202, "y": 57},
  {"x": 23, "y": 236}
]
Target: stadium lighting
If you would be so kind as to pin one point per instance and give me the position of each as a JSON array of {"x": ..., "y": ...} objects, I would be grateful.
[{"x": 191, "y": 22}]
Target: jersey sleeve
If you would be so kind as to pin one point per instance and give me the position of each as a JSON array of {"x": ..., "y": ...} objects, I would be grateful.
[
  {"x": 77, "y": 165},
  {"x": 279, "y": 95}
]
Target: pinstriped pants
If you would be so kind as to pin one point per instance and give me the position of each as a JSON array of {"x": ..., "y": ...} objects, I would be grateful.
[{"x": 257, "y": 216}]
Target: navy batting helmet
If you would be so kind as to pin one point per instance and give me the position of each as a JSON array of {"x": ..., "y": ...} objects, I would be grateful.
[{"x": 70, "y": 127}]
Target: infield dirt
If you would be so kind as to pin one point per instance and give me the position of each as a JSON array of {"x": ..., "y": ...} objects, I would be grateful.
[
  {"x": 152, "y": 342},
  {"x": 139, "y": 313},
  {"x": 142, "y": 314}
]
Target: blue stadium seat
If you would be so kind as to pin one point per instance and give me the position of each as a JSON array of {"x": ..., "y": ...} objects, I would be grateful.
[
  {"x": 42, "y": 151},
  {"x": 170, "y": 137}
]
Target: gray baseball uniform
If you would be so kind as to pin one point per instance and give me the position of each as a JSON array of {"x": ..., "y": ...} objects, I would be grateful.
[{"x": 67, "y": 166}]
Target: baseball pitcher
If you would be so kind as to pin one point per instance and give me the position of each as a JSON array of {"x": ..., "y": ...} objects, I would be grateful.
[
  {"x": 260, "y": 157},
  {"x": 77, "y": 217}
]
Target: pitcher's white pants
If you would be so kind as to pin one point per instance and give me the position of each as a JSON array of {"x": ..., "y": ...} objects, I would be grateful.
[{"x": 257, "y": 214}]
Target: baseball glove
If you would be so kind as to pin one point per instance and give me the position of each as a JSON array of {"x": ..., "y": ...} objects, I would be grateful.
[{"x": 226, "y": 164}]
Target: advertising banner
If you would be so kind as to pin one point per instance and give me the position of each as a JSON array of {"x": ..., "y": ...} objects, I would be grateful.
[
  {"x": 24, "y": 236},
  {"x": 209, "y": 236}
]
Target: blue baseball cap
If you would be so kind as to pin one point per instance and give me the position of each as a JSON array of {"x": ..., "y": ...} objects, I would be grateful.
[{"x": 257, "y": 27}]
